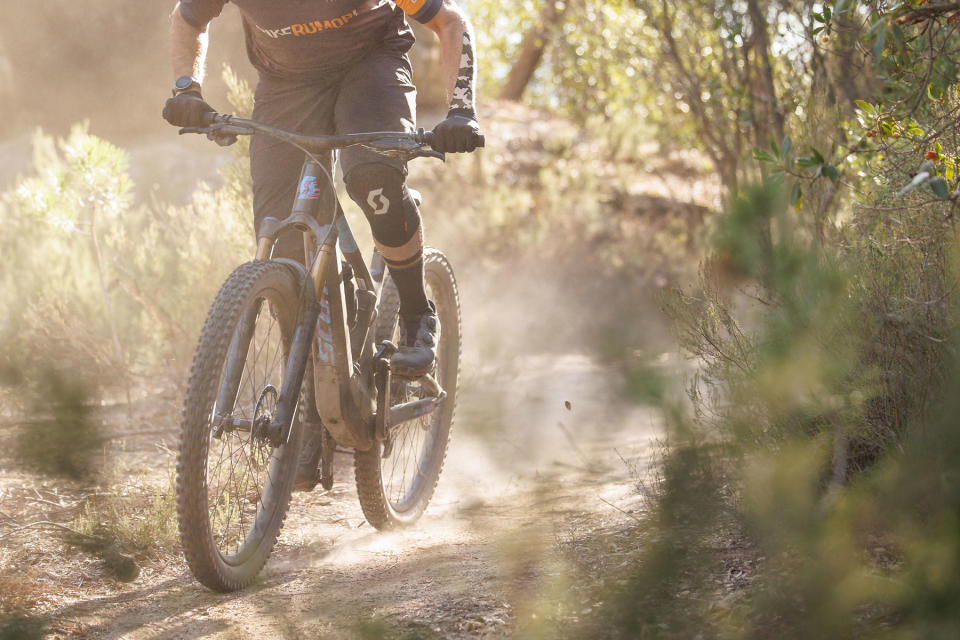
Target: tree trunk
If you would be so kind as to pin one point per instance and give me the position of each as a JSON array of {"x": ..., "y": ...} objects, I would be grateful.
[
  {"x": 774, "y": 124},
  {"x": 531, "y": 50}
]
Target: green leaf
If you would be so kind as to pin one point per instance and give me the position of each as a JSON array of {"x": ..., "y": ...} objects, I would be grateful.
[
  {"x": 817, "y": 156},
  {"x": 939, "y": 187},
  {"x": 898, "y": 39},
  {"x": 875, "y": 28},
  {"x": 806, "y": 162},
  {"x": 866, "y": 107},
  {"x": 831, "y": 172},
  {"x": 785, "y": 146},
  {"x": 880, "y": 43},
  {"x": 796, "y": 194},
  {"x": 762, "y": 156},
  {"x": 775, "y": 148},
  {"x": 818, "y": 17},
  {"x": 827, "y": 14}
]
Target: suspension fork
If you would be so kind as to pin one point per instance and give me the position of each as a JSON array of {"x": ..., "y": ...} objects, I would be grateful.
[{"x": 296, "y": 363}]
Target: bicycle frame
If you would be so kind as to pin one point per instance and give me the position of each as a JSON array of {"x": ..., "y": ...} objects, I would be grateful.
[
  {"x": 345, "y": 402},
  {"x": 353, "y": 401}
]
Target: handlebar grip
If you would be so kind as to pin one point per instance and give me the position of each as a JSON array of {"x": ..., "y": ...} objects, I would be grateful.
[
  {"x": 429, "y": 137},
  {"x": 210, "y": 118}
]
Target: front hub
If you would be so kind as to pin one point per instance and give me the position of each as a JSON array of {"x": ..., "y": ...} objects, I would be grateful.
[{"x": 264, "y": 414}]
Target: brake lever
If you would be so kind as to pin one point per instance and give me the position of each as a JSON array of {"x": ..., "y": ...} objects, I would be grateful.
[
  {"x": 402, "y": 148},
  {"x": 428, "y": 153},
  {"x": 222, "y": 138}
]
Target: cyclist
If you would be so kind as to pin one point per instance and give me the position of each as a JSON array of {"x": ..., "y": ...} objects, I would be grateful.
[{"x": 334, "y": 67}]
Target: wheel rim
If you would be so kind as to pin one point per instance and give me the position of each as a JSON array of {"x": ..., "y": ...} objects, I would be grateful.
[
  {"x": 242, "y": 467},
  {"x": 406, "y": 469}
]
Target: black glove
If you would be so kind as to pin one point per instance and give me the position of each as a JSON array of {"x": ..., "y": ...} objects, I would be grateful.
[
  {"x": 458, "y": 133},
  {"x": 187, "y": 109}
]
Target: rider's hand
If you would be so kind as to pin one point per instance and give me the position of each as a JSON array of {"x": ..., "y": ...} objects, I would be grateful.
[
  {"x": 187, "y": 109},
  {"x": 458, "y": 133}
]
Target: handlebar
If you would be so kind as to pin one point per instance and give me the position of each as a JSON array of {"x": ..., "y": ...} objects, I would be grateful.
[{"x": 224, "y": 129}]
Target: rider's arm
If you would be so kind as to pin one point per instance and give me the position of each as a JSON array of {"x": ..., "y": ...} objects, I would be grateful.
[
  {"x": 457, "y": 52},
  {"x": 188, "y": 47},
  {"x": 189, "y": 36}
]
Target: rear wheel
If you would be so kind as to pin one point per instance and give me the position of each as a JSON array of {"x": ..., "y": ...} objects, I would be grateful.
[
  {"x": 233, "y": 485},
  {"x": 396, "y": 480}
]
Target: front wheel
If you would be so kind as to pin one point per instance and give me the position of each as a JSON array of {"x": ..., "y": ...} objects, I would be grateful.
[
  {"x": 395, "y": 482},
  {"x": 233, "y": 486}
]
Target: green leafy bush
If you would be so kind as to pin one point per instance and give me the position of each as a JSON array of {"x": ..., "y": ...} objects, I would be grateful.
[{"x": 819, "y": 457}]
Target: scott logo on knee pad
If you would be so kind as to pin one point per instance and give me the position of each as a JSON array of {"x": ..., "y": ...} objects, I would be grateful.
[{"x": 378, "y": 202}]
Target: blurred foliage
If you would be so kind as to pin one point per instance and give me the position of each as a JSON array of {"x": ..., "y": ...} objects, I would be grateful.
[
  {"x": 820, "y": 456},
  {"x": 101, "y": 284},
  {"x": 59, "y": 436},
  {"x": 592, "y": 65},
  {"x": 22, "y": 628},
  {"x": 101, "y": 296}
]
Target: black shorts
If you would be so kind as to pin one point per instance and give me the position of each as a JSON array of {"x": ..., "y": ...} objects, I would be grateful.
[{"x": 375, "y": 94}]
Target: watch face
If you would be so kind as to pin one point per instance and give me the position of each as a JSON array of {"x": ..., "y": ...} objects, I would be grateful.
[{"x": 184, "y": 82}]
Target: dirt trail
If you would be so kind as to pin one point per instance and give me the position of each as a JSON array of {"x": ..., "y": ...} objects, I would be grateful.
[{"x": 523, "y": 474}]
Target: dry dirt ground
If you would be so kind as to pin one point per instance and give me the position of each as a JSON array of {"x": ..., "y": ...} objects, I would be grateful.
[{"x": 527, "y": 479}]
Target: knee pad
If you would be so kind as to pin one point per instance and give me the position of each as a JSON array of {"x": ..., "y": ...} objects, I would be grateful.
[{"x": 390, "y": 208}]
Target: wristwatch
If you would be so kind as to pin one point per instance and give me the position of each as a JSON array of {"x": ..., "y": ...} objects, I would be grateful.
[{"x": 184, "y": 84}]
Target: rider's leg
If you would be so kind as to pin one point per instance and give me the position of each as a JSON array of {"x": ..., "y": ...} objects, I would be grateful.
[
  {"x": 398, "y": 234},
  {"x": 378, "y": 95},
  {"x": 275, "y": 165},
  {"x": 395, "y": 221}
]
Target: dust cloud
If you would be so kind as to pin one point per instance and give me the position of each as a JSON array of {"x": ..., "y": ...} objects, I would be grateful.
[{"x": 106, "y": 62}]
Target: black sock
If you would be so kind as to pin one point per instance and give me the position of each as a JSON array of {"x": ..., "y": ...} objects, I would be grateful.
[{"x": 409, "y": 281}]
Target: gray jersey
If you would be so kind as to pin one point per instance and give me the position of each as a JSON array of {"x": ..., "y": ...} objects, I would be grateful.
[{"x": 303, "y": 38}]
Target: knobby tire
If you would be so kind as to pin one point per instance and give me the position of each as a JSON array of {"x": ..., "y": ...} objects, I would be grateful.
[
  {"x": 381, "y": 506},
  {"x": 266, "y": 294}
]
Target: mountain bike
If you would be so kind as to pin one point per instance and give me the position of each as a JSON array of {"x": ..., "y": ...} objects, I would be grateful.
[{"x": 289, "y": 345}]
